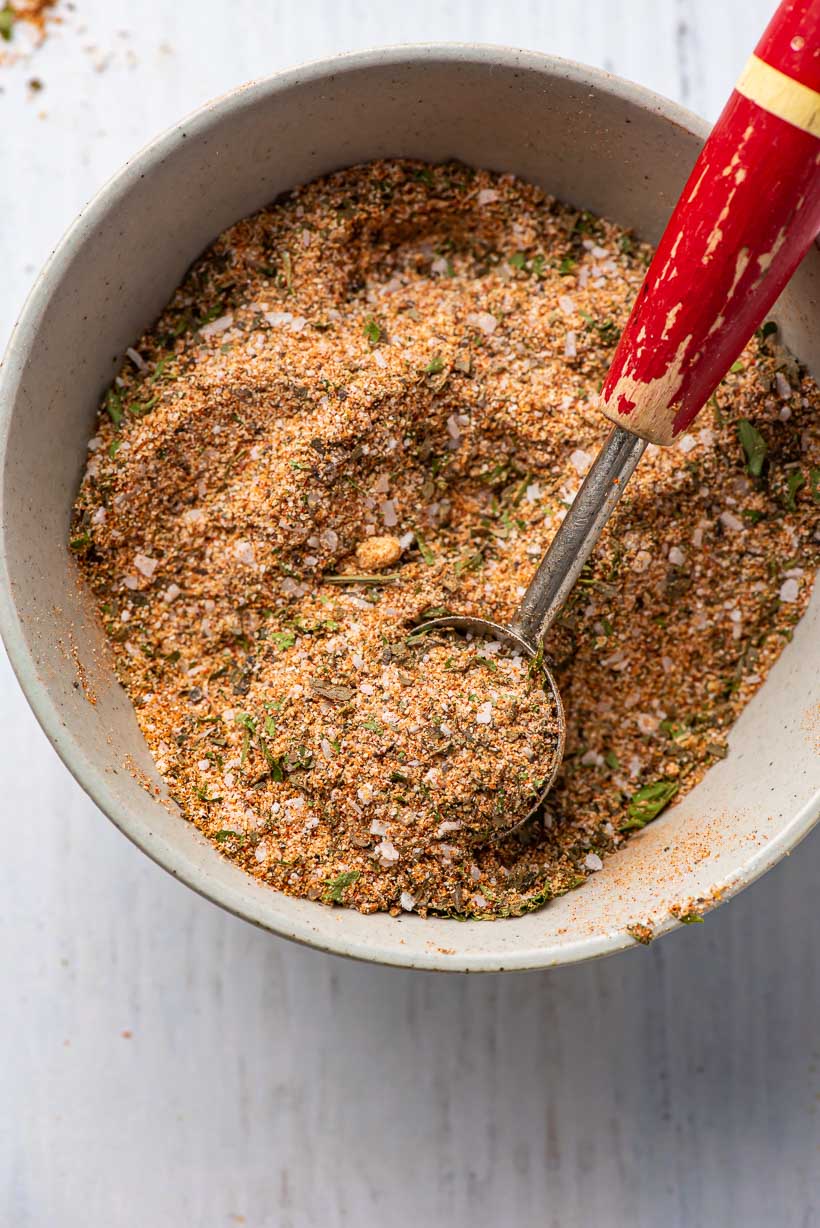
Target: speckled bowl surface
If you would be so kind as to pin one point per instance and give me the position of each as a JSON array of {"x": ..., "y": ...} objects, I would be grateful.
[{"x": 588, "y": 138}]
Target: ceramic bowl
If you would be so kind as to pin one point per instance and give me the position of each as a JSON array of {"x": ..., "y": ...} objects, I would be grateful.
[{"x": 588, "y": 138}]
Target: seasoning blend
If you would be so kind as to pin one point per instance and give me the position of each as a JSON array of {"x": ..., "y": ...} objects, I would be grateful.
[{"x": 373, "y": 403}]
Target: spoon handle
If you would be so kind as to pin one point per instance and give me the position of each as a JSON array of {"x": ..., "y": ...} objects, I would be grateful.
[
  {"x": 746, "y": 217},
  {"x": 577, "y": 535}
]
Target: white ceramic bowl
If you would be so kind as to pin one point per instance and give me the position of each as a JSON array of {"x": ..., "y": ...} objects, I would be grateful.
[{"x": 588, "y": 138}]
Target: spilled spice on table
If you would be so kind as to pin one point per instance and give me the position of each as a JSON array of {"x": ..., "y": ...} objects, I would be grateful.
[{"x": 372, "y": 403}]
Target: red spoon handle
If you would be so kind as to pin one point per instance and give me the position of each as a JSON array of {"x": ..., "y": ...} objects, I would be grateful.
[{"x": 748, "y": 214}]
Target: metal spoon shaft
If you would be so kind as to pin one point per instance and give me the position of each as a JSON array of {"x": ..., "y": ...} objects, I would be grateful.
[{"x": 578, "y": 534}]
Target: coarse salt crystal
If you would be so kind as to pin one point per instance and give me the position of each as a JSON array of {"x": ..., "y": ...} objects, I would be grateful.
[
  {"x": 261, "y": 851},
  {"x": 641, "y": 561},
  {"x": 145, "y": 565},
  {"x": 687, "y": 443},
  {"x": 379, "y": 359},
  {"x": 570, "y": 345},
  {"x": 243, "y": 551},
  {"x": 479, "y": 901},
  {"x": 730, "y": 521},
  {"x": 278, "y": 319},
  {"x": 593, "y": 862},
  {"x": 326, "y": 748},
  {"x": 99, "y": 516},
  {"x": 784, "y": 388},
  {"x": 137, "y": 359},
  {"x": 447, "y": 826},
  {"x": 298, "y": 323},
  {"x": 378, "y": 828},
  {"x": 484, "y": 321},
  {"x": 94, "y": 443},
  {"x": 388, "y": 513},
  {"x": 533, "y": 493},
  {"x": 789, "y": 591},
  {"x": 484, "y": 715},
  {"x": 407, "y": 901},
  {"x": 216, "y": 326},
  {"x": 171, "y": 593},
  {"x": 439, "y": 266},
  {"x": 486, "y": 196},
  {"x": 193, "y": 515},
  {"x": 676, "y": 556},
  {"x": 125, "y": 616},
  {"x": 592, "y": 758},
  {"x": 475, "y": 874},
  {"x": 130, "y": 582},
  {"x": 566, "y": 304},
  {"x": 580, "y": 461},
  {"x": 646, "y": 722},
  {"x": 387, "y": 853}
]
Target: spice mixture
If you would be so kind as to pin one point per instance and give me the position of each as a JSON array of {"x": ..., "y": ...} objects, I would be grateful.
[
  {"x": 34, "y": 12},
  {"x": 370, "y": 404}
]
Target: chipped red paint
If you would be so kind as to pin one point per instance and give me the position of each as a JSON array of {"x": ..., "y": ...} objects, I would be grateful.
[
  {"x": 789, "y": 42},
  {"x": 747, "y": 216}
]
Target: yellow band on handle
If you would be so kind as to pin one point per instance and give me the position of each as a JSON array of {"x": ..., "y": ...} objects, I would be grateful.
[{"x": 780, "y": 95}]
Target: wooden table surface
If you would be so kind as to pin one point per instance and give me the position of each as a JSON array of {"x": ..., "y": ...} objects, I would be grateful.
[{"x": 164, "y": 1064}]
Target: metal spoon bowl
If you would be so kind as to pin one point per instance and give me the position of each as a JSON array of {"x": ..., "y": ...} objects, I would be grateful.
[
  {"x": 557, "y": 572},
  {"x": 484, "y": 628}
]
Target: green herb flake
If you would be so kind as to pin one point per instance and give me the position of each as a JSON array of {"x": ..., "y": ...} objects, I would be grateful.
[
  {"x": 754, "y": 447},
  {"x": 372, "y": 331},
  {"x": 373, "y": 725},
  {"x": 425, "y": 551},
  {"x": 612, "y": 760},
  {"x": 794, "y": 482},
  {"x": 435, "y": 366},
  {"x": 648, "y": 802},
  {"x": 737, "y": 367},
  {"x": 222, "y": 837},
  {"x": 336, "y": 887},
  {"x": 113, "y": 407},
  {"x": 517, "y": 260},
  {"x": 814, "y": 485},
  {"x": 282, "y": 639},
  {"x": 80, "y": 543},
  {"x": 6, "y": 23}
]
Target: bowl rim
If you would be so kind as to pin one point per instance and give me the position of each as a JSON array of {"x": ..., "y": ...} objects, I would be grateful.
[{"x": 38, "y": 693}]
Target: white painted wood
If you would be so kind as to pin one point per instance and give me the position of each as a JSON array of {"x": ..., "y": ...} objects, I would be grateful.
[{"x": 164, "y": 1064}]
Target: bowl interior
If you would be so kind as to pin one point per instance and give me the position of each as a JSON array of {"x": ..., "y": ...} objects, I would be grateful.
[{"x": 586, "y": 137}]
